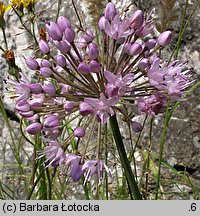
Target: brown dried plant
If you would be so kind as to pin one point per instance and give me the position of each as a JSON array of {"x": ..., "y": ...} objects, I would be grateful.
[
  {"x": 95, "y": 9},
  {"x": 168, "y": 13}
]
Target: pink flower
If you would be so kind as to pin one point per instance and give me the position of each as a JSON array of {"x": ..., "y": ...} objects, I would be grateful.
[
  {"x": 102, "y": 106},
  {"x": 169, "y": 78},
  {"x": 20, "y": 88},
  {"x": 74, "y": 163},
  {"x": 118, "y": 85},
  {"x": 79, "y": 132},
  {"x": 110, "y": 11},
  {"x": 95, "y": 167},
  {"x": 54, "y": 153},
  {"x": 34, "y": 128},
  {"x": 146, "y": 28},
  {"x": 152, "y": 105},
  {"x": 118, "y": 29}
]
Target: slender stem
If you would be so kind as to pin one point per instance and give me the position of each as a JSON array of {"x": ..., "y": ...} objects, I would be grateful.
[
  {"x": 106, "y": 157},
  {"x": 86, "y": 191},
  {"x": 4, "y": 37},
  {"x": 58, "y": 9},
  {"x": 33, "y": 31},
  {"x": 34, "y": 166},
  {"x": 181, "y": 29},
  {"x": 162, "y": 141},
  {"x": 49, "y": 184},
  {"x": 88, "y": 139},
  {"x": 123, "y": 157},
  {"x": 148, "y": 157},
  {"x": 132, "y": 150},
  {"x": 34, "y": 185},
  {"x": 77, "y": 14}
]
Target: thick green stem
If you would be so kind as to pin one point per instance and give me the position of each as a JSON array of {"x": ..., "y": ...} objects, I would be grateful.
[{"x": 123, "y": 157}]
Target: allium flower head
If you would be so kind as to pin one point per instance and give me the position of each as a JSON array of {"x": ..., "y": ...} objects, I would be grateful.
[
  {"x": 172, "y": 79},
  {"x": 83, "y": 81}
]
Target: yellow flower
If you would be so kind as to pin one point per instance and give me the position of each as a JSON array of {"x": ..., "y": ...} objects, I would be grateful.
[
  {"x": 3, "y": 9},
  {"x": 24, "y": 3},
  {"x": 16, "y": 3}
]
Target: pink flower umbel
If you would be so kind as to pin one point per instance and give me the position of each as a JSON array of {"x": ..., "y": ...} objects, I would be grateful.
[
  {"x": 85, "y": 84},
  {"x": 172, "y": 79}
]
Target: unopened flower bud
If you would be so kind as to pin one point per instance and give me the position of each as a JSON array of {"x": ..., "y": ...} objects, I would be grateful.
[
  {"x": 36, "y": 88},
  {"x": 45, "y": 63},
  {"x": 136, "y": 19},
  {"x": 143, "y": 31},
  {"x": 143, "y": 64},
  {"x": 49, "y": 89},
  {"x": 150, "y": 44},
  {"x": 32, "y": 63},
  {"x": 54, "y": 31},
  {"x": 135, "y": 49},
  {"x": 69, "y": 35},
  {"x": 35, "y": 103},
  {"x": 101, "y": 23},
  {"x": 63, "y": 23},
  {"x": 53, "y": 42},
  {"x": 23, "y": 106},
  {"x": 51, "y": 121},
  {"x": 84, "y": 68},
  {"x": 32, "y": 118},
  {"x": 34, "y": 128},
  {"x": 85, "y": 109},
  {"x": 93, "y": 51},
  {"x": 110, "y": 11},
  {"x": 26, "y": 114},
  {"x": 136, "y": 126},
  {"x": 44, "y": 47},
  {"x": 46, "y": 72},
  {"x": 94, "y": 66},
  {"x": 127, "y": 48},
  {"x": 82, "y": 42},
  {"x": 61, "y": 61},
  {"x": 79, "y": 132},
  {"x": 63, "y": 46},
  {"x": 68, "y": 106},
  {"x": 164, "y": 38},
  {"x": 88, "y": 36}
]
